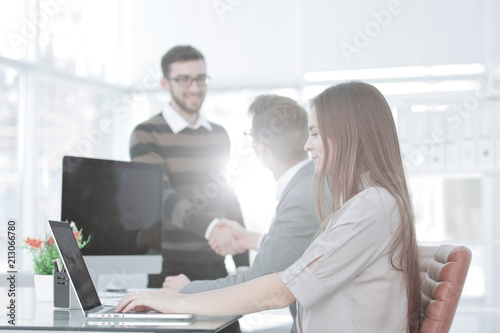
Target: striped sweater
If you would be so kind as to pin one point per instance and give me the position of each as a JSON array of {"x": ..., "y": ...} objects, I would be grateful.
[{"x": 196, "y": 186}]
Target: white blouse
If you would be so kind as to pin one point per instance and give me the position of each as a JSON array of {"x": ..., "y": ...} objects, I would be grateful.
[{"x": 344, "y": 281}]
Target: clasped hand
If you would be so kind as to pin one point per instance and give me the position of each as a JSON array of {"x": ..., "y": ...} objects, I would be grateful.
[
  {"x": 175, "y": 282},
  {"x": 227, "y": 237}
]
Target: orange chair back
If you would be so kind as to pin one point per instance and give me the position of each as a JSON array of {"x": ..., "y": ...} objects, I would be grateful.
[{"x": 446, "y": 268}]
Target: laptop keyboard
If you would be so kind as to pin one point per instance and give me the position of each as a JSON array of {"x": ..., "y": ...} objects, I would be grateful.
[
  {"x": 108, "y": 310},
  {"x": 112, "y": 310}
]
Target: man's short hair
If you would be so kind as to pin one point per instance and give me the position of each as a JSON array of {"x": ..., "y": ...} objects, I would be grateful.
[
  {"x": 280, "y": 123},
  {"x": 179, "y": 53}
]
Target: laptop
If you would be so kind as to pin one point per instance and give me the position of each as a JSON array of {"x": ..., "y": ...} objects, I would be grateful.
[{"x": 84, "y": 287}]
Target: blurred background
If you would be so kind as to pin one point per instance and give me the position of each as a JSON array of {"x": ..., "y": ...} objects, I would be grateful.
[{"x": 77, "y": 76}]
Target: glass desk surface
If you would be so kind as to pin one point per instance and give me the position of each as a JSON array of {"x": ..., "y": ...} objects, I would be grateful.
[{"x": 42, "y": 316}]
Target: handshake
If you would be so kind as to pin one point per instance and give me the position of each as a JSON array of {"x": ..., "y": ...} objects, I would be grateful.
[{"x": 229, "y": 237}]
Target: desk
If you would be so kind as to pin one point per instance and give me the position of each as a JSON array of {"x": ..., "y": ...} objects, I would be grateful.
[{"x": 42, "y": 316}]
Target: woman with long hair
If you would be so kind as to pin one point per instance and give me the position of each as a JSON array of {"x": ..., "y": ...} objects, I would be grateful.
[{"x": 361, "y": 273}]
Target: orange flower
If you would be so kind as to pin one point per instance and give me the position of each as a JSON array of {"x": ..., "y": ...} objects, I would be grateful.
[
  {"x": 34, "y": 243},
  {"x": 45, "y": 250}
]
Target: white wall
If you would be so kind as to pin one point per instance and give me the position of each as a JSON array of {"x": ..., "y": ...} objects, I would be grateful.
[
  {"x": 396, "y": 33},
  {"x": 256, "y": 38},
  {"x": 245, "y": 40}
]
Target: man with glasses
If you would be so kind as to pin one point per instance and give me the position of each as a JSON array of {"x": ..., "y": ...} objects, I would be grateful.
[{"x": 194, "y": 153}]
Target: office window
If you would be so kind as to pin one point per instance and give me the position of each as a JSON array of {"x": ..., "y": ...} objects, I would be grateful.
[
  {"x": 9, "y": 142},
  {"x": 449, "y": 210},
  {"x": 72, "y": 119},
  {"x": 15, "y": 31},
  {"x": 58, "y": 97}
]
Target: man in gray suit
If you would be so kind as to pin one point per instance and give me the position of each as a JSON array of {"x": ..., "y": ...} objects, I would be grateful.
[{"x": 279, "y": 131}]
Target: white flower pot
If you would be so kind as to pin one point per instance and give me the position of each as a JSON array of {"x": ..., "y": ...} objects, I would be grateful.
[{"x": 44, "y": 288}]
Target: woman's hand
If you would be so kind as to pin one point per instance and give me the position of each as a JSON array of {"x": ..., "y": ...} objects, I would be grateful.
[
  {"x": 263, "y": 293},
  {"x": 145, "y": 300}
]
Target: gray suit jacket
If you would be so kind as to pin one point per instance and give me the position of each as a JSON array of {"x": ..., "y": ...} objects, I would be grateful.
[{"x": 292, "y": 230}]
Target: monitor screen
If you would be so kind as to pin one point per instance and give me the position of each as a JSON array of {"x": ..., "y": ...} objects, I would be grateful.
[{"x": 111, "y": 201}]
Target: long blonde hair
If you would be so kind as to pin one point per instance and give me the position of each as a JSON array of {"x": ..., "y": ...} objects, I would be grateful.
[{"x": 356, "y": 118}]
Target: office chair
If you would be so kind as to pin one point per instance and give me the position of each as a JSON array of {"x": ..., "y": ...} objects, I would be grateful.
[{"x": 444, "y": 271}]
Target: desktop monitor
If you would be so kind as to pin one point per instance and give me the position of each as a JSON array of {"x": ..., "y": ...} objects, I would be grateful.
[{"x": 112, "y": 201}]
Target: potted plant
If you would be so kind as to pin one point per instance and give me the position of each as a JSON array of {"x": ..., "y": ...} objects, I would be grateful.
[{"x": 44, "y": 251}]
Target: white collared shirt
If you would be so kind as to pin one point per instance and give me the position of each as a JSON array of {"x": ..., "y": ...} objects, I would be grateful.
[
  {"x": 177, "y": 123},
  {"x": 281, "y": 184},
  {"x": 285, "y": 178}
]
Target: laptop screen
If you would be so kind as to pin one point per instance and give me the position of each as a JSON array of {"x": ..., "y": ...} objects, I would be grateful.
[{"x": 74, "y": 264}]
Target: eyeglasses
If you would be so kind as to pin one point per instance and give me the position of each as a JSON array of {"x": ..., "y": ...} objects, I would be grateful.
[
  {"x": 251, "y": 136},
  {"x": 187, "y": 81}
]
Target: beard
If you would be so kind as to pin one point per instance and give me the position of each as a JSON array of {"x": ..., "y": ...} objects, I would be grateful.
[{"x": 183, "y": 105}]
